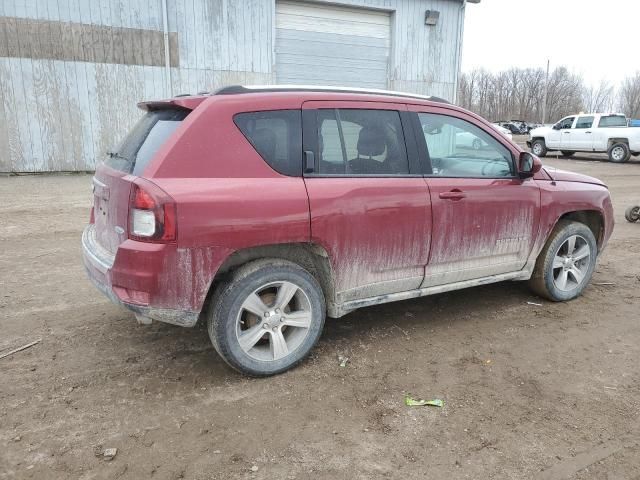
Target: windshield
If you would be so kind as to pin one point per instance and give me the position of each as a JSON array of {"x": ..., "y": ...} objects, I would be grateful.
[{"x": 143, "y": 141}]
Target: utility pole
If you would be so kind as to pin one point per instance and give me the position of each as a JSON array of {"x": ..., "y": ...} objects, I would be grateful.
[{"x": 546, "y": 92}]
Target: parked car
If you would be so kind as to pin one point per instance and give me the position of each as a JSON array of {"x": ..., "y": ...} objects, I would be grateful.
[
  {"x": 513, "y": 128},
  {"x": 260, "y": 211},
  {"x": 465, "y": 139},
  {"x": 588, "y": 132},
  {"x": 504, "y": 131},
  {"x": 523, "y": 126}
]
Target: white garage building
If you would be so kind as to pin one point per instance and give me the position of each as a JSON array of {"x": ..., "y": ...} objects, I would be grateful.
[{"x": 71, "y": 71}]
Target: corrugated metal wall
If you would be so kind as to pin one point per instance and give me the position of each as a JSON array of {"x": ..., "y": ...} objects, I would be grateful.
[
  {"x": 331, "y": 45},
  {"x": 72, "y": 71}
]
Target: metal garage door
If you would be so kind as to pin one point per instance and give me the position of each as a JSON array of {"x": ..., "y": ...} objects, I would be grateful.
[{"x": 328, "y": 45}]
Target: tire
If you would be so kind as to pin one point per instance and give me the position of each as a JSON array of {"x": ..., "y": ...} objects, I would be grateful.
[
  {"x": 476, "y": 144},
  {"x": 257, "y": 285},
  {"x": 619, "y": 153},
  {"x": 632, "y": 214},
  {"x": 551, "y": 267},
  {"x": 566, "y": 153},
  {"x": 539, "y": 148}
]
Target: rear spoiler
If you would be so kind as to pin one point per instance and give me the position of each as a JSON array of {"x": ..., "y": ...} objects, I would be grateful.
[{"x": 186, "y": 103}]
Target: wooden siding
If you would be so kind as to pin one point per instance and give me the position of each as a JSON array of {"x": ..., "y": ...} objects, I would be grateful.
[{"x": 71, "y": 93}]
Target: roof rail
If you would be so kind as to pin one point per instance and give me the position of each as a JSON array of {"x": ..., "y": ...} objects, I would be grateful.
[{"x": 242, "y": 89}]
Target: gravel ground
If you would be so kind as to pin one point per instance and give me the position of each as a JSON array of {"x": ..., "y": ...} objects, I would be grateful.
[{"x": 531, "y": 392}]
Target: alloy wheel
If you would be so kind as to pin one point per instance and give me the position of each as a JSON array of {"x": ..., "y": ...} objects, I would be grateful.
[
  {"x": 273, "y": 321},
  {"x": 571, "y": 263}
]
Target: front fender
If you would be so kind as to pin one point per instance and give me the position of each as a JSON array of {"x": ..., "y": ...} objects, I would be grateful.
[{"x": 558, "y": 199}]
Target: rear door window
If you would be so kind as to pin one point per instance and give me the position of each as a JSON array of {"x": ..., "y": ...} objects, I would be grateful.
[
  {"x": 277, "y": 137},
  {"x": 144, "y": 140},
  {"x": 584, "y": 122},
  {"x": 356, "y": 142}
]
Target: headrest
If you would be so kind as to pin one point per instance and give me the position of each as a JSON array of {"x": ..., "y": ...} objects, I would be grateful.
[{"x": 371, "y": 142}]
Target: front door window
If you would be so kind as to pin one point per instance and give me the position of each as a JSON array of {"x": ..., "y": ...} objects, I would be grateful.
[{"x": 458, "y": 148}]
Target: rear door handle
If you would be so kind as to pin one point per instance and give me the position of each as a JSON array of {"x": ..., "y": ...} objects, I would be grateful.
[
  {"x": 587, "y": 132},
  {"x": 309, "y": 161},
  {"x": 566, "y": 132},
  {"x": 452, "y": 195}
]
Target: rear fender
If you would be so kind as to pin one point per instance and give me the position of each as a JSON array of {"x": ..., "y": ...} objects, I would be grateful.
[{"x": 309, "y": 256}]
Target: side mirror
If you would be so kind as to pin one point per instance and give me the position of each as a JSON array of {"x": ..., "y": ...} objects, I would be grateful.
[
  {"x": 528, "y": 165},
  {"x": 557, "y": 126}
]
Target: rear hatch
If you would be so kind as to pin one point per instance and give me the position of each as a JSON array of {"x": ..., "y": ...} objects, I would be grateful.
[{"x": 113, "y": 177}]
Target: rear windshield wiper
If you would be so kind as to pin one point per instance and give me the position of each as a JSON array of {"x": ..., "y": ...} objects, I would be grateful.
[{"x": 117, "y": 155}]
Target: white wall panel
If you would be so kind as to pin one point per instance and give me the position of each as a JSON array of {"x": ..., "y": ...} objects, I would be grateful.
[{"x": 330, "y": 45}]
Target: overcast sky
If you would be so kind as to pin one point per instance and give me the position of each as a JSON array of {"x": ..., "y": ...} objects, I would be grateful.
[{"x": 595, "y": 38}]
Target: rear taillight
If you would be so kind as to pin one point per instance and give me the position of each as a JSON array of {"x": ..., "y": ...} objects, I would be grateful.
[{"x": 152, "y": 213}]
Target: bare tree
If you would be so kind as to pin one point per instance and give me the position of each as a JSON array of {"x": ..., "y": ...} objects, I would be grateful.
[
  {"x": 518, "y": 93},
  {"x": 600, "y": 98},
  {"x": 565, "y": 93},
  {"x": 629, "y": 96}
]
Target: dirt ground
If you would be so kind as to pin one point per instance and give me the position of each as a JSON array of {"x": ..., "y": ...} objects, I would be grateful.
[{"x": 531, "y": 392}]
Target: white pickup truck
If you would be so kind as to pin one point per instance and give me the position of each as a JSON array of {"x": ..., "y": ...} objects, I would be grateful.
[{"x": 588, "y": 132}]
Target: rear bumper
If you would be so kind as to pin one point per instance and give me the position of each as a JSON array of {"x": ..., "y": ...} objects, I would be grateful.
[{"x": 99, "y": 265}]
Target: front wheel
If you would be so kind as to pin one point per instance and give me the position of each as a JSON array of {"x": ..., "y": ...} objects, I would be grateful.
[
  {"x": 565, "y": 265},
  {"x": 539, "y": 148},
  {"x": 267, "y": 318},
  {"x": 619, "y": 153},
  {"x": 632, "y": 214}
]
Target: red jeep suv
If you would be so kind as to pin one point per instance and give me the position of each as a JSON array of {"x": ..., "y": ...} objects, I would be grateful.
[{"x": 261, "y": 210}]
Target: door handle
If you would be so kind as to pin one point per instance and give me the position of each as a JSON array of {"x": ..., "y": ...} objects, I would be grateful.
[
  {"x": 452, "y": 195},
  {"x": 566, "y": 132},
  {"x": 309, "y": 161},
  {"x": 587, "y": 132}
]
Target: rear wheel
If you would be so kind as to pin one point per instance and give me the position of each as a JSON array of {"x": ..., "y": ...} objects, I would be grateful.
[
  {"x": 619, "y": 153},
  {"x": 632, "y": 214},
  {"x": 565, "y": 265},
  {"x": 567, "y": 153},
  {"x": 539, "y": 148},
  {"x": 267, "y": 318}
]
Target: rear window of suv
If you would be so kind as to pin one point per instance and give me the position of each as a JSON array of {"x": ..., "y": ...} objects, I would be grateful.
[
  {"x": 613, "y": 121},
  {"x": 277, "y": 137},
  {"x": 145, "y": 138}
]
